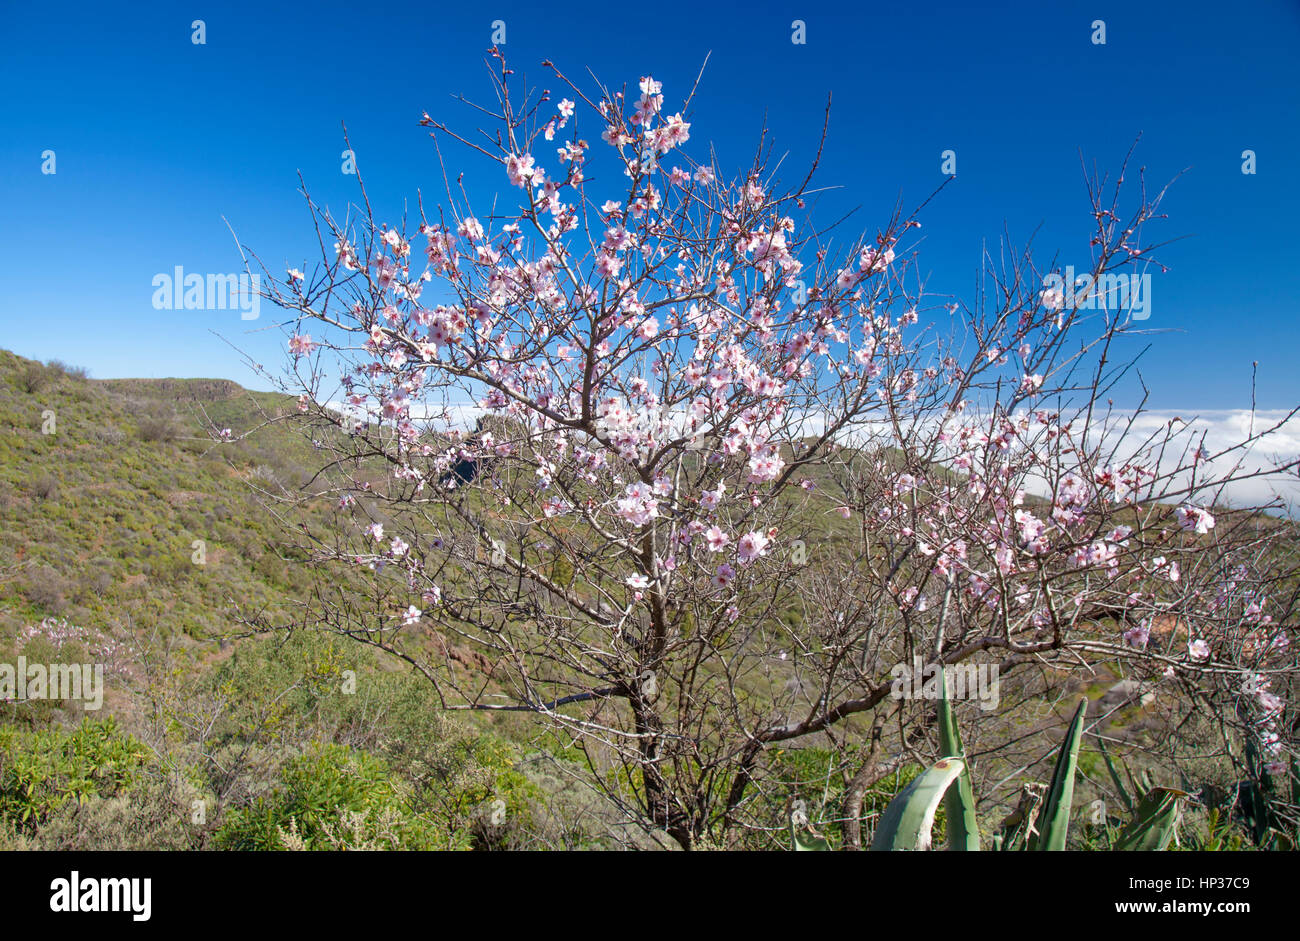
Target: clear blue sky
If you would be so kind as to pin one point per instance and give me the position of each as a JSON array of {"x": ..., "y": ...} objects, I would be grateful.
[{"x": 156, "y": 139}]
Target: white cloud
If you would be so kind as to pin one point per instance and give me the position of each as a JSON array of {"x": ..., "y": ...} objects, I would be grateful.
[
  {"x": 1221, "y": 430},
  {"x": 1218, "y": 431}
]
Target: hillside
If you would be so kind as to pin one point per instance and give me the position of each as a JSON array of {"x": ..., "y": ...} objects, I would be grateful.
[
  {"x": 130, "y": 531},
  {"x": 102, "y": 514}
]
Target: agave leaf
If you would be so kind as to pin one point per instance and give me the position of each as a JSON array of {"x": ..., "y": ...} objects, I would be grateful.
[
  {"x": 1257, "y": 794},
  {"x": 1213, "y": 839},
  {"x": 808, "y": 842},
  {"x": 1152, "y": 827},
  {"x": 906, "y": 822},
  {"x": 1114, "y": 776},
  {"x": 1135, "y": 788},
  {"x": 959, "y": 801},
  {"x": 1054, "y": 819}
]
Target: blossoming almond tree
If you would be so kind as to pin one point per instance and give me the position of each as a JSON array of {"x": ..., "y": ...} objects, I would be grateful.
[{"x": 726, "y": 470}]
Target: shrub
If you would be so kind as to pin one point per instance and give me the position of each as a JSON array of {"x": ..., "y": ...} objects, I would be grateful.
[
  {"x": 60, "y": 368},
  {"x": 42, "y": 771},
  {"x": 149, "y": 815},
  {"x": 157, "y": 424},
  {"x": 47, "y": 588},
  {"x": 101, "y": 579},
  {"x": 333, "y": 797},
  {"x": 46, "y": 487},
  {"x": 34, "y": 378}
]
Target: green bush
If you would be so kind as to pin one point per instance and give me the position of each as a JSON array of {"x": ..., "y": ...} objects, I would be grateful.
[
  {"x": 41, "y": 771},
  {"x": 333, "y": 797}
]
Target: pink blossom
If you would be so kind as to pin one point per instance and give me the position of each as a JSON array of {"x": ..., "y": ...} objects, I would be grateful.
[
  {"x": 765, "y": 465},
  {"x": 1139, "y": 635},
  {"x": 711, "y": 499},
  {"x": 716, "y": 538},
  {"x": 1031, "y": 383},
  {"x": 1005, "y": 560},
  {"x": 674, "y": 133},
  {"x": 1194, "y": 518},
  {"x": 638, "y": 505},
  {"x": 519, "y": 169},
  {"x": 648, "y": 329},
  {"x": 471, "y": 229},
  {"x": 751, "y": 546}
]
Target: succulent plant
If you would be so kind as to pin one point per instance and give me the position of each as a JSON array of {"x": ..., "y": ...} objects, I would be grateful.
[{"x": 1040, "y": 821}]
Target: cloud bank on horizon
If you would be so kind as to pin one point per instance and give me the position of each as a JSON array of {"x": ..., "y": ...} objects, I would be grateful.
[{"x": 1220, "y": 433}]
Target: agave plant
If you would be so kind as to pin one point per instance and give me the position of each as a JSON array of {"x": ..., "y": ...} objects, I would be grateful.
[{"x": 1041, "y": 820}]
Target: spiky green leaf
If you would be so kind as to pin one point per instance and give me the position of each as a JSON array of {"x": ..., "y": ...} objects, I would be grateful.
[
  {"x": 1054, "y": 819},
  {"x": 1114, "y": 776},
  {"x": 1153, "y": 825},
  {"x": 959, "y": 801},
  {"x": 907, "y": 821}
]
